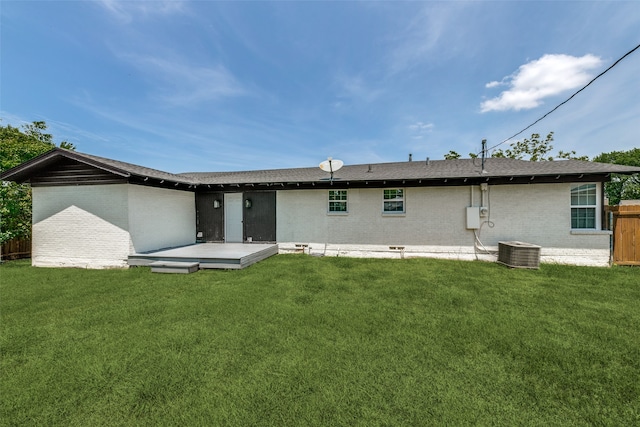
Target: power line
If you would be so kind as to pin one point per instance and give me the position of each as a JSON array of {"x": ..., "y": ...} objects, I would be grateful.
[{"x": 568, "y": 99}]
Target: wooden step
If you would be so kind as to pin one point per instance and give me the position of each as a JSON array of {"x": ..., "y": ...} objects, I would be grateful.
[{"x": 174, "y": 267}]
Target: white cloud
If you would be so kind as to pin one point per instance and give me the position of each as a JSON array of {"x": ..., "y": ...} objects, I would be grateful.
[
  {"x": 540, "y": 79},
  {"x": 431, "y": 35},
  {"x": 125, "y": 11},
  {"x": 421, "y": 127},
  {"x": 187, "y": 84},
  {"x": 420, "y": 38}
]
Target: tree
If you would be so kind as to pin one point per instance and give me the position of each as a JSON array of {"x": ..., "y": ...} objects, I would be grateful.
[
  {"x": 16, "y": 147},
  {"x": 621, "y": 187},
  {"x": 535, "y": 149},
  {"x": 451, "y": 155}
]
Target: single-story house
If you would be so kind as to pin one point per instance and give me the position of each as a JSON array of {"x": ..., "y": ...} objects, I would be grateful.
[{"x": 90, "y": 211}]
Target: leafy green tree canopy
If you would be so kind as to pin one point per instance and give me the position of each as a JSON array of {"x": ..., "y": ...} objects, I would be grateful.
[
  {"x": 627, "y": 158},
  {"x": 16, "y": 147},
  {"x": 622, "y": 187},
  {"x": 451, "y": 155},
  {"x": 535, "y": 149}
]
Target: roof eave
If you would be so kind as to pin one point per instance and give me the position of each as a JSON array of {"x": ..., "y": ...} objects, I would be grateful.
[
  {"x": 338, "y": 182},
  {"x": 24, "y": 171}
]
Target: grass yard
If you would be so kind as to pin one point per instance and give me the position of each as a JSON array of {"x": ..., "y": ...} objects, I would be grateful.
[{"x": 304, "y": 341}]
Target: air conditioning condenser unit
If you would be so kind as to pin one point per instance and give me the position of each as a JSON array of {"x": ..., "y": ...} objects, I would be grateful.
[{"x": 519, "y": 254}]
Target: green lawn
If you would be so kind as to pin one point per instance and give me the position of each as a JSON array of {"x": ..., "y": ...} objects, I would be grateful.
[{"x": 305, "y": 341}]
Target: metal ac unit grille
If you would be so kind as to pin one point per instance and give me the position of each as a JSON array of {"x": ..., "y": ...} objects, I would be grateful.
[{"x": 519, "y": 254}]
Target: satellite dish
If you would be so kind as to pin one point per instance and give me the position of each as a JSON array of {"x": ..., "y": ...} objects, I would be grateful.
[{"x": 331, "y": 165}]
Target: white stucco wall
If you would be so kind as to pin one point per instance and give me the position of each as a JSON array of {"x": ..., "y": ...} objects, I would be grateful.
[
  {"x": 80, "y": 226},
  {"x": 435, "y": 223},
  {"x": 160, "y": 218}
]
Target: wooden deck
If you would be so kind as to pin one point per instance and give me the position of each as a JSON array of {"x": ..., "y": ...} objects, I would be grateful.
[{"x": 209, "y": 255}]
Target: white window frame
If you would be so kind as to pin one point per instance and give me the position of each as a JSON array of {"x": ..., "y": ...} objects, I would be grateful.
[
  {"x": 402, "y": 199},
  {"x": 337, "y": 202},
  {"x": 597, "y": 207}
]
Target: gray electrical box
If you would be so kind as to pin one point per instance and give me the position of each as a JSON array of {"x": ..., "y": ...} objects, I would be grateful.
[{"x": 473, "y": 217}]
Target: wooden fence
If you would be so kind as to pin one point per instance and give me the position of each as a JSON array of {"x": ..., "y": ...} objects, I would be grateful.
[
  {"x": 16, "y": 248},
  {"x": 626, "y": 234}
]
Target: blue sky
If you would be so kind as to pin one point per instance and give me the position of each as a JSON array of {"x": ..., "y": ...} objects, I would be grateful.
[{"x": 219, "y": 86}]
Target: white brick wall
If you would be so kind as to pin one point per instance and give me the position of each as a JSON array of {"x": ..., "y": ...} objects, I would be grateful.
[
  {"x": 539, "y": 214},
  {"x": 436, "y": 217},
  {"x": 80, "y": 226},
  {"x": 98, "y": 226},
  {"x": 160, "y": 218}
]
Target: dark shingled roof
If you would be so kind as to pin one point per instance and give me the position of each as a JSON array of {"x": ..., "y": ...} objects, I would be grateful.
[
  {"x": 434, "y": 169},
  {"x": 132, "y": 169},
  {"x": 416, "y": 170}
]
